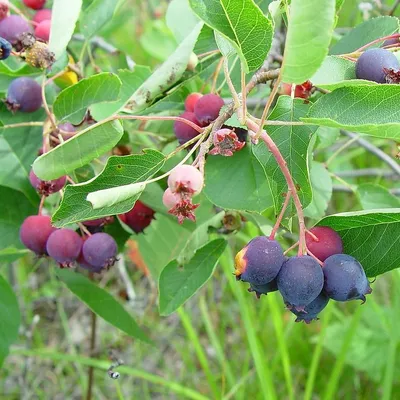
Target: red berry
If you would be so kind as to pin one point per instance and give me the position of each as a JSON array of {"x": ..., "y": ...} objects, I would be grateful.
[
  {"x": 171, "y": 199},
  {"x": 45, "y": 188},
  {"x": 4, "y": 9},
  {"x": 12, "y": 27},
  {"x": 35, "y": 4},
  {"x": 35, "y": 231},
  {"x": 207, "y": 108},
  {"x": 42, "y": 31},
  {"x": 185, "y": 132},
  {"x": 191, "y": 101},
  {"x": 139, "y": 217},
  {"x": 186, "y": 179},
  {"x": 42, "y": 15},
  {"x": 64, "y": 245},
  {"x": 329, "y": 242}
]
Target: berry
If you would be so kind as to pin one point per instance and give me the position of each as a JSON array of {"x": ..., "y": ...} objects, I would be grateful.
[
  {"x": 42, "y": 31},
  {"x": 329, "y": 242},
  {"x": 226, "y": 143},
  {"x": 391, "y": 42},
  {"x": 264, "y": 289},
  {"x": 171, "y": 199},
  {"x": 260, "y": 261},
  {"x": 34, "y": 232},
  {"x": 68, "y": 131},
  {"x": 40, "y": 56},
  {"x": 4, "y": 9},
  {"x": 100, "y": 250},
  {"x": 186, "y": 179},
  {"x": 42, "y": 15},
  {"x": 207, "y": 108},
  {"x": 64, "y": 245},
  {"x": 45, "y": 188},
  {"x": 312, "y": 310},
  {"x": 373, "y": 63},
  {"x": 24, "y": 94},
  {"x": 35, "y": 4},
  {"x": 12, "y": 27},
  {"x": 139, "y": 217},
  {"x": 191, "y": 101},
  {"x": 185, "y": 132},
  {"x": 345, "y": 278},
  {"x": 5, "y": 49},
  {"x": 99, "y": 222},
  {"x": 300, "y": 281}
]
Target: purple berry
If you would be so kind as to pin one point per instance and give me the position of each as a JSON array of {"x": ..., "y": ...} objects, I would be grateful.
[
  {"x": 35, "y": 231},
  {"x": 12, "y": 27},
  {"x": 312, "y": 310},
  {"x": 98, "y": 222},
  {"x": 345, "y": 278},
  {"x": 100, "y": 250},
  {"x": 24, "y": 94},
  {"x": 207, "y": 108},
  {"x": 260, "y": 261},
  {"x": 300, "y": 281},
  {"x": 264, "y": 289},
  {"x": 45, "y": 188},
  {"x": 185, "y": 132},
  {"x": 64, "y": 245}
]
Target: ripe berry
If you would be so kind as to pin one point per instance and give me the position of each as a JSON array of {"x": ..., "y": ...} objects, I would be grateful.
[
  {"x": 207, "y": 108},
  {"x": 260, "y": 261},
  {"x": 42, "y": 15},
  {"x": 300, "y": 281},
  {"x": 45, "y": 188},
  {"x": 372, "y": 65},
  {"x": 24, "y": 94},
  {"x": 5, "y": 49},
  {"x": 186, "y": 179},
  {"x": 100, "y": 250},
  {"x": 12, "y": 27},
  {"x": 139, "y": 217},
  {"x": 34, "y": 232},
  {"x": 42, "y": 31},
  {"x": 99, "y": 222},
  {"x": 329, "y": 242},
  {"x": 171, "y": 199},
  {"x": 312, "y": 310},
  {"x": 64, "y": 245},
  {"x": 345, "y": 278},
  {"x": 35, "y": 4},
  {"x": 264, "y": 289},
  {"x": 4, "y": 9},
  {"x": 185, "y": 132},
  {"x": 191, "y": 101},
  {"x": 391, "y": 42}
]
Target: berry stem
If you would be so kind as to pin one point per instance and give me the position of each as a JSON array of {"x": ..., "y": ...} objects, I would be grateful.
[
  {"x": 83, "y": 229},
  {"x": 291, "y": 185},
  {"x": 314, "y": 257},
  {"x": 312, "y": 235},
  {"x": 41, "y": 204},
  {"x": 382, "y": 39},
  {"x": 281, "y": 214},
  {"x": 293, "y": 246}
]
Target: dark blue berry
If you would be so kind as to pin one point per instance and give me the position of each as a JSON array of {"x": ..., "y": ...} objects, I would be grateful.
[
  {"x": 263, "y": 289},
  {"x": 312, "y": 310},
  {"x": 5, "y": 48}
]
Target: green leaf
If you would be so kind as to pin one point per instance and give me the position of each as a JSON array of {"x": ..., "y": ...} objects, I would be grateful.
[
  {"x": 375, "y": 196},
  {"x": 321, "y": 183},
  {"x": 309, "y": 34},
  {"x": 65, "y": 14},
  {"x": 78, "y": 151},
  {"x": 364, "y": 33},
  {"x": 16, "y": 207},
  {"x": 72, "y": 103},
  {"x": 372, "y": 237},
  {"x": 327, "y": 136},
  {"x": 96, "y": 16},
  {"x": 243, "y": 23},
  {"x": 293, "y": 142},
  {"x": 368, "y": 109},
  {"x": 238, "y": 182},
  {"x": 101, "y": 303},
  {"x": 178, "y": 284},
  {"x": 119, "y": 171},
  {"x": 10, "y": 318},
  {"x": 180, "y": 19},
  {"x": 336, "y": 72},
  {"x": 168, "y": 74}
]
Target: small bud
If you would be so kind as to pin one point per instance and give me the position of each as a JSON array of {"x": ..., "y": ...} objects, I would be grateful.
[
  {"x": 226, "y": 143},
  {"x": 25, "y": 41}
]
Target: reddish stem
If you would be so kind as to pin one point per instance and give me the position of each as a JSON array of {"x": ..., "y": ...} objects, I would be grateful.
[
  {"x": 282, "y": 213},
  {"x": 315, "y": 257},
  {"x": 291, "y": 248},
  {"x": 382, "y": 39},
  {"x": 289, "y": 180},
  {"x": 41, "y": 205},
  {"x": 315, "y": 238}
]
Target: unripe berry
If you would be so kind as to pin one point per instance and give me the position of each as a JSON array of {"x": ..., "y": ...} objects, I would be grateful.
[
  {"x": 327, "y": 242},
  {"x": 259, "y": 262},
  {"x": 100, "y": 250},
  {"x": 35, "y": 4},
  {"x": 42, "y": 31},
  {"x": 42, "y": 15},
  {"x": 186, "y": 179},
  {"x": 45, "y": 188},
  {"x": 64, "y": 245},
  {"x": 34, "y": 232},
  {"x": 5, "y": 49},
  {"x": 171, "y": 199},
  {"x": 139, "y": 217},
  {"x": 185, "y": 132},
  {"x": 4, "y": 9},
  {"x": 24, "y": 94},
  {"x": 12, "y": 27},
  {"x": 207, "y": 108},
  {"x": 191, "y": 101}
]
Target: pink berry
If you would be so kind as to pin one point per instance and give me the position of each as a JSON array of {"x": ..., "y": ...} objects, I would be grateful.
[
  {"x": 324, "y": 242},
  {"x": 42, "y": 15},
  {"x": 42, "y": 31},
  {"x": 191, "y": 101},
  {"x": 171, "y": 199},
  {"x": 35, "y": 4},
  {"x": 4, "y": 9},
  {"x": 35, "y": 231},
  {"x": 45, "y": 188},
  {"x": 207, "y": 108},
  {"x": 64, "y": 245},
  {"x": 186, "y": 179}
]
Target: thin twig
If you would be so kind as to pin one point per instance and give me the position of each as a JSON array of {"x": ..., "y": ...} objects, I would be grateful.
[
  {"x": 216, "y": 74},
  {"x": 393, "y": 10},
  {"x": 21, "y": 124},
  {"x": 282, "y": 213},
  {"x": 45, "y": 105}
]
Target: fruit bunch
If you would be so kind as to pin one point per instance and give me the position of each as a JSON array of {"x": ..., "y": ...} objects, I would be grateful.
[{"x": 305, "y": 282}]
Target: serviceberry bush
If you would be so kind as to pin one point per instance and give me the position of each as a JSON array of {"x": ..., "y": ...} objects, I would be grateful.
[{"x": 246, "y": 131}]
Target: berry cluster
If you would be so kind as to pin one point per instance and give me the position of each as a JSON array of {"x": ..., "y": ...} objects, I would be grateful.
[{"x": 305, "y": 285}]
